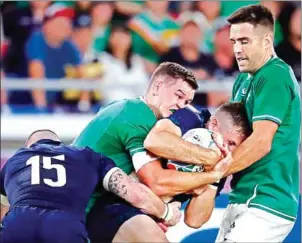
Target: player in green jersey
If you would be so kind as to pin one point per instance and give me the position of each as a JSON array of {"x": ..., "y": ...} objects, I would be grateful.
[
  {"x": 118, "y": 131},
  {"x": 265, "y": 196},
  {"x": 264, "y": 201}
]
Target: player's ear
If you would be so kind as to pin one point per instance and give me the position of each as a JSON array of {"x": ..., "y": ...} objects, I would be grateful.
[
  {"x": 268, "y": 40},
  {"x": 213, "y": 124},
  {"x": 156, "y": 87}
]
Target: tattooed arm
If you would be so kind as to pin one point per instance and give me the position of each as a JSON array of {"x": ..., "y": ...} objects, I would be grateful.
[{"x": 141, "y": 197}]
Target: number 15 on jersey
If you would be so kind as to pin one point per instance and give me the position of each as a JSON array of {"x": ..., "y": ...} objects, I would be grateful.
[{"x": 35, "y": 170}]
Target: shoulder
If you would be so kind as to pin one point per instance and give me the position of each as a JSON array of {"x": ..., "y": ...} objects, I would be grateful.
[
  {"x": 126, "y": 110},
  {"x": 189, "y": 118},
  {"x": 76, "y": 153},
  {"x": 136, "y": 117},
  {"x": 20, "y": 154},
  {"x": 277, "y": 72},
  {"x": 276, "y": 68},
  {"x": 138, "y": 110}
]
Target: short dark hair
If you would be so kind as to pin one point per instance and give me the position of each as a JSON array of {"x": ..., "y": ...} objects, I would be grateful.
[
  {"x": 238, "y": 115},
  {"x": 40, "y": 131},
  {"x": 255, "y": 14},
  {"x": 175, "y": 71}
]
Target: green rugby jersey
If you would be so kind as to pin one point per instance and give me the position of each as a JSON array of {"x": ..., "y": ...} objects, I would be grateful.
[
  {"x": 118, "y": 131},
  {"x": 272, "y": 183}
]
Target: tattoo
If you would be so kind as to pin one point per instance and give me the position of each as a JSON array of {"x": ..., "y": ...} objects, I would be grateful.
[
  {"x": 117, "y": 184},
  {"x": 135, "y": 193}
]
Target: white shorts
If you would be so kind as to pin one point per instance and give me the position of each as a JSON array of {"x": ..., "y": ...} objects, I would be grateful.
[{"x": 243, "y": 224}]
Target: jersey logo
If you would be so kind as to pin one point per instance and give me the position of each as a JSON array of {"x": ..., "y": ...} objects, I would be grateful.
[
  {"x": 232, "y": 225},
  {"x": 244, "y": 91},
  {"x": 197, "y": 138}
]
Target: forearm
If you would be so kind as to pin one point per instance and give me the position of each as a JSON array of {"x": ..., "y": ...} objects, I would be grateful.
[
  {"x": 171, "y": 146},
  {"x": 200, "y": 208},
  {"x": 136, "y": 194},
  {"x": 249, "y": 152},
  {"x": 170, "y": 182}
]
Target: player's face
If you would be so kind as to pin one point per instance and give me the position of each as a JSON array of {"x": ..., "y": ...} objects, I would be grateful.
[
  {"x": 173, "y": 96},
  {"x": 232, "y": 138},
  {"x": 249, "y": 45},
  {"x": 231, "y": 135}
]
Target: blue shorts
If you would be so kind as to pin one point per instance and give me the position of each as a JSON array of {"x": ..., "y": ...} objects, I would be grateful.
[
  {"x": 107, "y": 216},
  {"x": 24, "y": 224}
]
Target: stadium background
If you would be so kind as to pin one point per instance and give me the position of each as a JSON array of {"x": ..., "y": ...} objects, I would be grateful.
[{"x": 117, "y": 45}]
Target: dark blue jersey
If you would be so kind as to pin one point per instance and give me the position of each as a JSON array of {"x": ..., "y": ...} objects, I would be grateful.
[
  {"x": 187, "y": 119},
  {"x": 52, "y": 175}
]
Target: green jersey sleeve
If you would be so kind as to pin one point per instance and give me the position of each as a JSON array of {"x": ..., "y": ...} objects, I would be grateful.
[
  {"x": 133, "y": 137},
  {"x": 272, "y": 96}
]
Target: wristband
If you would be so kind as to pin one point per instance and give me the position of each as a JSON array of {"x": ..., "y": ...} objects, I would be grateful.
[
  {"x": 166, "y": 211},
  {"x": 216, "y": 184},
  {"x": 169, "y": 214}
]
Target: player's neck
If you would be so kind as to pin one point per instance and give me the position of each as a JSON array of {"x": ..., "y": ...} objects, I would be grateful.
[
  {"x": 264, "y": 60},
  {"x": 148, "y": 101}
]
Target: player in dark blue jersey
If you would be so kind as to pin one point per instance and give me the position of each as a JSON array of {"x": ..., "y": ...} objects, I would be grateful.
[
  {"x": 48, "y": 185},
  {"x": 227, "y": 118}
]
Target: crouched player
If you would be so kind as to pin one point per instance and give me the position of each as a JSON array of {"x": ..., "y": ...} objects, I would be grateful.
[
  {"x": 229, "y": 120},
  {"x": 48, "y": 185}
]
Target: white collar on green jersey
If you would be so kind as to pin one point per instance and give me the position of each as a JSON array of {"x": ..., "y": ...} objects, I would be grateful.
[{"x": 142, "y": 98}]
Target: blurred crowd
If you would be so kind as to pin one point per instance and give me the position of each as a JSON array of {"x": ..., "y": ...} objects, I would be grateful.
[{"x": 121, "y": 43}]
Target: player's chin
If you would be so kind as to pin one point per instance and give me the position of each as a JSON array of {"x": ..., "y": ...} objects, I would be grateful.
[{"x": 243, "y": 69}]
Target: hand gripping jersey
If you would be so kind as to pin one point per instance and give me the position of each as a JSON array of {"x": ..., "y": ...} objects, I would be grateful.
[{"x": 187, "y": 119}]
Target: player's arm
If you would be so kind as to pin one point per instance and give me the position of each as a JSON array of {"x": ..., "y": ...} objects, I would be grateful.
[
  {"x": 142, "y": 197},
  {"x": 255, "y": 147},
  {"x": 266, "y": 120},
  {"x": 137, "y": 194},
  {"x": 200, "y": 207},
  {"x": 162, "y": 181},
  {"x": 166, "y": 182},
  {"x": 165, "y": 141}
]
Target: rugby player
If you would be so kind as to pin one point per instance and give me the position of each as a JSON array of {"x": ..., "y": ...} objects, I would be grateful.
[
  {"x": 229, "y": 120},
  {"x": 118, "y": 131},
  {"x": 48, "y": 185},
  {"x": 265, "y": 196},
  {"x": 264, "y": 200}
]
